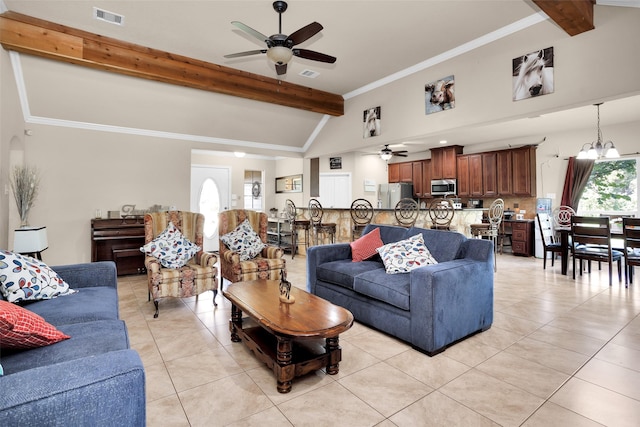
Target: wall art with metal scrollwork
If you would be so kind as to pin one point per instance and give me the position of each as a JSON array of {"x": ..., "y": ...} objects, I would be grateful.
[{"x": 256, "y": 189}]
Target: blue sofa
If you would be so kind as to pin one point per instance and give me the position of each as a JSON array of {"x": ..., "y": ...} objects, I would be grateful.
[
  {"x": 93, "y": 378},
  {"x": 430, "y": 307}
]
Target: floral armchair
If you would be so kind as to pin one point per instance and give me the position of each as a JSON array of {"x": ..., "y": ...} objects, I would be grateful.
[
  {"x": 266, "y": 265},
  {"x": 198, "y": 275}
]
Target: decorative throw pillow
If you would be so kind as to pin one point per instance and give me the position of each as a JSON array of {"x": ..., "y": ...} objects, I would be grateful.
[
  {"x": 244, "y": 241},
  {"x": 23, "y": 278},
  {"x": 365, "y": 247},
  {"x": 406, "y": 255},
  {"x": 20, "y": 328},
  {"x": 171, "y": 248}
]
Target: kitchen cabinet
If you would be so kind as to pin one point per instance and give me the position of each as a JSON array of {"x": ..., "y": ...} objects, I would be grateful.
[
  {"x": 426, "y": 178},
  {"x": 524, "y": 171},
  {"x": 522, "y": 237},
  {"x": 417, "y": 179},
  {"x": 489, "y": 175},
  {"x": 504, "y": 174},
  {"x": 393, "y": 172},
  {"x": 406, "y": 172},
  {"x": 463, "y": 176},
  {"x": 444, "y": 162}
]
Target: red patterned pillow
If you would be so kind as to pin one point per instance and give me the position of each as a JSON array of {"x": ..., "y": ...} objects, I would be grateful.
[
  {"x": 365, "y": 247},
  {"x": 20, "y": 328}
]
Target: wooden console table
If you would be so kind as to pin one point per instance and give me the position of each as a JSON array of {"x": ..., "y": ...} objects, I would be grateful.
[{"x": 119, "y": 240}]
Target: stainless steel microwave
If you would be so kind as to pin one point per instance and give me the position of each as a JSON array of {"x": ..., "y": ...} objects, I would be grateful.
[{"x": 443, "y": 187}]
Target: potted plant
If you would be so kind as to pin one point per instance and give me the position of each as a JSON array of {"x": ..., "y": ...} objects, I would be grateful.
[{"x": 25, "y": 182}]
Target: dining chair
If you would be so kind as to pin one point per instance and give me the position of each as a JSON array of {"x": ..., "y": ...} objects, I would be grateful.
[
  {"x": 549, "y": 243},
  {"x": 320, "y": 228},
  {"x": 441, "y": 213},
  {"x": 591, "y": 241},
  {"x": 491, "y": 229},
  {"x": 631, "y": 233},
  {"x": 361, "y": 215},
  {"x": 562, "y": 216},
  {"x": 296, "y": 224},
  {"x": 406, "y": 212}
]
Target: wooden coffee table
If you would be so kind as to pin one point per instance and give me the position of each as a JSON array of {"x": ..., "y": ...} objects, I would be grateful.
[{"x": 292, "y": 339}]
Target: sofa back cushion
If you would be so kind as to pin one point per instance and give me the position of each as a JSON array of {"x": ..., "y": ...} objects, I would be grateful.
[
  {"x": 443, "y": 245},
  {"x": 388, "y": 233}
]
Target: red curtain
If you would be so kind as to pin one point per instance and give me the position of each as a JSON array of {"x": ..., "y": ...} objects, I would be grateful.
[{"x": 578, "y": 173}]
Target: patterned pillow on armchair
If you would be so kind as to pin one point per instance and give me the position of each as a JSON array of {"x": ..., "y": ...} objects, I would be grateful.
[{"x": 244, "y": 241}]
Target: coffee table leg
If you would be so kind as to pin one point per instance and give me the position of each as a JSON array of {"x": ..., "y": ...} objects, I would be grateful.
[
  {"x": 286, "y": 370},
  {"x": 335, "y": 355},
  {"x": 235, "y": 323}
]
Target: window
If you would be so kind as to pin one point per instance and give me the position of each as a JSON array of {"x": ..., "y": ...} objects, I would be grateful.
[
  {"x": 612, "y": 188},
  {"x": 209, "y": 204}
]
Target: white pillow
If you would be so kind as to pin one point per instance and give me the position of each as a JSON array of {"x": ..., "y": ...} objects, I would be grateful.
[
  {"x": 244, "y": 241},
  {"x": 171, "y": 248},
  {"x": 406, "y": 255},
  {"x": 23, "y": 278}
]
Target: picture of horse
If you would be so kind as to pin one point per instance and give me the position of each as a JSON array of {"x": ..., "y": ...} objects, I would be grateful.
[
  {"x": 440, "y": 95},
  {"x": 371, "y": 119},
  {"x": 533, "y": 74}
]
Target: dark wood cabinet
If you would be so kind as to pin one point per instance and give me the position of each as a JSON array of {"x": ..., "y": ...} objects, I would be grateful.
[
  {"x": 463, "y": 176},
  {"x": 119, "y": 240},
  {"x": 489, "y": 175},
  {"x": 426, "y": 178},
  {"x": 476, "y": 178},
  {"x": 417, "y": 179},
  {"x": 444, "y": 162},
  {"x": 524, "y": 171},
  {"x": 406, "y": 172},
  {"x": 393, "y": 172},
  {"x": 504, "y": 169},
  {"x": 522, "y": 237}
]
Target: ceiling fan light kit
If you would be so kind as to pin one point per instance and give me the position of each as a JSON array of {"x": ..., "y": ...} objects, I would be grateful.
[{"x": 280, "y": 46}]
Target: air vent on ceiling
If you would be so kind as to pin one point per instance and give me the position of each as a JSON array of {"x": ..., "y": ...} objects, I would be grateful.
[
  {"x": 106, "y": 16},
  {"x": 309, "y": 73}
]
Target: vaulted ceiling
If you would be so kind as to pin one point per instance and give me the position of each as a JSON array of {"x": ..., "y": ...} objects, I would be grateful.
[{"x": 374, "y": 41}]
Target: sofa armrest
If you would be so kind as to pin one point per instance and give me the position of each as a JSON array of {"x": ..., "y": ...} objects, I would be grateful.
[
  {"x": 449, "y": 301},
  {"x": 477, "y": 250},
  {"x": 107, "y": 389},
  {"x": 317, "y": 255},
  {"x": 90, "y": 274},
  {"x": 272, "y": 252}
]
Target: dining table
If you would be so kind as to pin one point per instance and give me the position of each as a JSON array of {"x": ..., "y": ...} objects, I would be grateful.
[{"x": 565, "y": 232}]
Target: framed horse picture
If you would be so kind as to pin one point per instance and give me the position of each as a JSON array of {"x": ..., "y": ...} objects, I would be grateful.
[
  {"x": 533, "y": 74},
  {"x": 371, "y": 121}
]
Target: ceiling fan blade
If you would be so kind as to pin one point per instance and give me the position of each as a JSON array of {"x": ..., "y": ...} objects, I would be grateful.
[
  {"x": 247, "y": 53},
  {"x": 304, "y": 33},
  {"x": 400, "y": 154},
  {"x": 314, "y": 56},
  {"x": 281, "y": 69},
  {"x": 247, "y": 29}
]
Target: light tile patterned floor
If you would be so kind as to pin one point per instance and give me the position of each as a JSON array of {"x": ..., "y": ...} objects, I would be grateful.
[{"x": 560, "y": 352}]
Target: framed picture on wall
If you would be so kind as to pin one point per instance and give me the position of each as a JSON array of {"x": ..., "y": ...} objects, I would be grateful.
[
  {"x": 440, "y": 95},
  {"x": 533, "y": 74},
  {"x": 371, "y": 120}
]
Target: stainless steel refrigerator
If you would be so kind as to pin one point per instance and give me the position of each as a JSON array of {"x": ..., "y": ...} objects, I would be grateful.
[{"x": 390, "y": 194}]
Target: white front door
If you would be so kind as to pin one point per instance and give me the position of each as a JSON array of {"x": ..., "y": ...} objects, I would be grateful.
[{"x": 210, "y": 190}]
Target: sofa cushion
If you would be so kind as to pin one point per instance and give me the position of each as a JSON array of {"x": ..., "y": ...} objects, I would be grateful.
[
  {"x": 443, "y": 245},
  {"x": 244, "y": 241},
  {"x": 171, "y": 248},
  {"x": 87, "y": 339},
  {"x": 406, "y": 255},
  {"x": 393, "y": 289},
  {"x": 22, "y": 329},
  {"x": 88, "y": 304},
  {"x": 365, "y": 247},
  {"x": 388, "y": 233},
  {"x": 343, "y": 272},
  {"x": 23, "y": 278}
]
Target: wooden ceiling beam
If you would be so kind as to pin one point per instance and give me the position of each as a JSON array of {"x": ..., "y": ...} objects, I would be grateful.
[
  {"x": 573, "y": 16},
  {"x": 34, "y": 36}
]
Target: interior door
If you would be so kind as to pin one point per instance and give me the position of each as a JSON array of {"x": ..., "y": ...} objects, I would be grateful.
[{"x": 210, "y": 194}]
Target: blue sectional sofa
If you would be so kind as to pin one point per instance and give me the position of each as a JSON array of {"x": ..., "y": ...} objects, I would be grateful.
[
  {"x": 430, "y": 307},
  {"x": 91, "y": 379}
]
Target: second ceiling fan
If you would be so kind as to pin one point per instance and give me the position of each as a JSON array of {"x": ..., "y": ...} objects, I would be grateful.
[{"x": 280, "y": 47}]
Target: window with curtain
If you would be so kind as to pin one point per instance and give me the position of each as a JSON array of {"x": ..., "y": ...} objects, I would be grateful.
[{"x": 612, "y": 188}]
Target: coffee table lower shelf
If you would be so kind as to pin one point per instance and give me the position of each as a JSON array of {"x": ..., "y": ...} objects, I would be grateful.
[{"x": 287, "y": 357}]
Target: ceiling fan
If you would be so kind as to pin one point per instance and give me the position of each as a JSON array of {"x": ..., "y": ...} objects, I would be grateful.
[
  {"x": 386, "y": 153},
  {"x": 280, "y": 47}
]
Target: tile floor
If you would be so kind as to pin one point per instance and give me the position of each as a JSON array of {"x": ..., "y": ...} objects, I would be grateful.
[{"x": 560, "y": 353}]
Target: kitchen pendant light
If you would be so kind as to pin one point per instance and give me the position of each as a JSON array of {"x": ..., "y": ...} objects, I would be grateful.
[{"x": 597, "y": 150}]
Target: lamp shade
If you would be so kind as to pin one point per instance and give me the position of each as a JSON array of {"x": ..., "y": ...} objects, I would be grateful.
[
  {"x": 280, "y": 54},
  {"x": 30, "y": 240}
]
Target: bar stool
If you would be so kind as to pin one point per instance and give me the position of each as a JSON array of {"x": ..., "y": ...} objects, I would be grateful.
[
  {"x": 319, "y": 227},
  {"x": 297, "y": 225},
  {"x": 492, "y": 229},
  {"x": 361, "y": 215}
]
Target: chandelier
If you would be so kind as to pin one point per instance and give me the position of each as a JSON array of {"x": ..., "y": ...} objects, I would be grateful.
[{"x": 597, "y": 150}]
